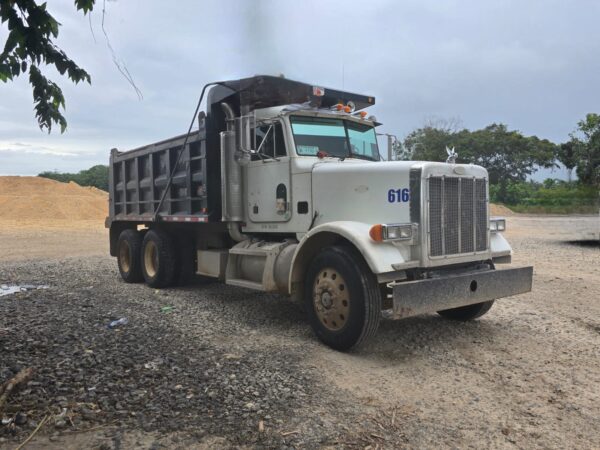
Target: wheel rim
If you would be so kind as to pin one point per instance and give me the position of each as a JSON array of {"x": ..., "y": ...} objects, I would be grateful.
[
  {"x": 331, "y": 299},
  {"x": 151, "y": 259},
  {"x": 125, "y": 256}
]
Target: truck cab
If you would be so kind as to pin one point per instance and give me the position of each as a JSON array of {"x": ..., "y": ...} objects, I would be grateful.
[{"x": 283, "y": 189}]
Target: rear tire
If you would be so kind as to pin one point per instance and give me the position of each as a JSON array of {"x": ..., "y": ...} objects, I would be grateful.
[
  {"x": 466, "y": 313},
  {"x": 342, "y": 298},
  {"x": 129, "y": 252},
  {"x": 159, "y": 259}
]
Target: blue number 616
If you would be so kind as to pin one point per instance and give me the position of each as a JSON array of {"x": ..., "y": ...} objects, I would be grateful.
[{"x": 398, "y": 195}]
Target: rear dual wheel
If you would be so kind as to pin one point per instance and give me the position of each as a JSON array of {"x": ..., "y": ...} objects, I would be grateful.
[
  {"x": 129, "y": 251},
  {"x": 159, "y": 259},
  {"x": 155, "y": 257}
]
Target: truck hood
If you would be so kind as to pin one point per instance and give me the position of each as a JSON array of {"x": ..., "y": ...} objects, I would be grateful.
[{"x": 374, "y": 192}]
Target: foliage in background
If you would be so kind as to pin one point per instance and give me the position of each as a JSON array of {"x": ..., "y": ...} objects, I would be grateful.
[
  {"x": 96, "y": 176},
  {"x": 510, "y": 158},
  {"x": 566, "y": 155},
  {"x": 30, "y": 46},
  {"x": 585, "y": 141},
  {"x": 551, "y": 196},
  {"x": 506, "y": 154}
]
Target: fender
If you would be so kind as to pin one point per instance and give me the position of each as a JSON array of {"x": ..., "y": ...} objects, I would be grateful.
[{"x": 381, "y": 257}]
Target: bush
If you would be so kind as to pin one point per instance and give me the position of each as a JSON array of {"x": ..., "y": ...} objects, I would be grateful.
[{"x": 96, "y": 176}]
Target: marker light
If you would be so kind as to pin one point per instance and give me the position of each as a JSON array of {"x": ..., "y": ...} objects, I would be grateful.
[
  {"x": 318, "y": 91},
  {"x": 339, "y": 107},
  {"x": 347, "y": 109},
  {"x": 376, "y": 232},
  {"x": 363, "y": 114},
  {"x": 351, "y": 105},
  {"x": 497, "y": 225}
]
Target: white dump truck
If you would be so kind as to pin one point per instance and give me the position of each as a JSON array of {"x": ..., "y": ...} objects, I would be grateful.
[{"x": 279, "y": 187}]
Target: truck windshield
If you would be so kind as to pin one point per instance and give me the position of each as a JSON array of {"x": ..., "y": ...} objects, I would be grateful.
[{"x": 336, "y": 137}]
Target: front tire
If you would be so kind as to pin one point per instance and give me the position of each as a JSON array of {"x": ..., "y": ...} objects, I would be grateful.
[
  {"x": 129, "y": 251},
  {"x": 159, "y": 259},
  {"x": 342, "y": 298},
  {"x": 466, "y": 313}
]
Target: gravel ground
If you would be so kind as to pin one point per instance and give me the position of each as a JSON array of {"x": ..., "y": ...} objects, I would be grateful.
[{"x": 212, "y": 366}]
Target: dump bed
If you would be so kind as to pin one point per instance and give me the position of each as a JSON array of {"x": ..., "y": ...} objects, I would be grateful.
[{"x": 138, "y": 179}]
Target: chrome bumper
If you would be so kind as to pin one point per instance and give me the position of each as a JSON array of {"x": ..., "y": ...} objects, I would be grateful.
[{"x": 435, "y": 294}]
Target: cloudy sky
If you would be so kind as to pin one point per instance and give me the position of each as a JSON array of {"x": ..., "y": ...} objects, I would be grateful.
[{"x": 533, "y": 65}]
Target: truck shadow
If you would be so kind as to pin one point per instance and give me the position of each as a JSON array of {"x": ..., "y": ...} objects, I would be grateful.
[
  {"x": 588, "y": 243},
  {"x": 279, "y": 317},
  {"x": 427, "y": 334}
]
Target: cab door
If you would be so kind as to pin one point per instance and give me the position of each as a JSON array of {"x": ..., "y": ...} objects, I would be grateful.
[{"x": 268, "y": 179}]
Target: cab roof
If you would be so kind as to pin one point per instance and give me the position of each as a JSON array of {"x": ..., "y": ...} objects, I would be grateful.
[{"x": 264, "y": 91}]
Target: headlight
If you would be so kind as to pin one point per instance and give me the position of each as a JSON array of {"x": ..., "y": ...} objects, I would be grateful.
[
  {"x": 497, "y": 225},
  {"x": 392, "y": 232}
]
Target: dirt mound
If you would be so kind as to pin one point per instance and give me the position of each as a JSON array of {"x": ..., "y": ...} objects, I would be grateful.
[
  {"x": 500, "y": 210},
  {"x": 36, "y": 200}
]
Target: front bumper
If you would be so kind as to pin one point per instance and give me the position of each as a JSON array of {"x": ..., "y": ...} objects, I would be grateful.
[{"x": 436, "y": 294}]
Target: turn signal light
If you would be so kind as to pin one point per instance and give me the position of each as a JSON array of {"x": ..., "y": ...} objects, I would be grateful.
[
  {"x": 376, "y": 232},
  {"x": 393, "y": 232}
]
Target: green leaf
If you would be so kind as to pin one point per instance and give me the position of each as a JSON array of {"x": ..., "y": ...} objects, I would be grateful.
[
  {"x": 13, "y": 39},
  {"x": 5, "y": 73}
]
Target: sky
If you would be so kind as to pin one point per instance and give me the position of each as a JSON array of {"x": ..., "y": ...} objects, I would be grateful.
[{"x": 532, "y": 65}]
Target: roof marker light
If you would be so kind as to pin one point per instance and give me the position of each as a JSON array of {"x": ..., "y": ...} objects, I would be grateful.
[{"x": 318, "y": 91}]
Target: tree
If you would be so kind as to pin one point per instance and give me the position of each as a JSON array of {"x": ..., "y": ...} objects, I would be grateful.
[
  {"x": 566, "y": 155},
  {"x": 586, "y": 142},
  {"x": 507, "y": 155},
  {"x": 428, "y": 143},
  {"x": 29, "y": 45}
]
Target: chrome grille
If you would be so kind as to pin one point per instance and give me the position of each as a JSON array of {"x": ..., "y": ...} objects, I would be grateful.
[
  {"x": 481, "y": 221},
  {"x": 458, "y": 215}
]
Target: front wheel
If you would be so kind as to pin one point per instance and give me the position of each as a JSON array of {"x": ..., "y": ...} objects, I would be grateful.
[
  {"x": 342, "y": 298},
  {"x": 466, "y": 313}
]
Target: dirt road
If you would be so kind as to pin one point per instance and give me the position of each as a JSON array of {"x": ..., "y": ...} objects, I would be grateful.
[{"x": 212, "y": 366}]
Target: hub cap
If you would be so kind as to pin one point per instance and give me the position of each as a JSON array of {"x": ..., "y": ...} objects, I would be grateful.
[
  {"x": 124, "y": 256},
  {"x": 331, "y": 299},
  {"x": 151, "y": 259}
]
